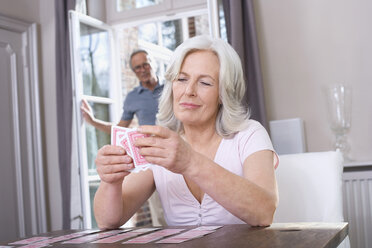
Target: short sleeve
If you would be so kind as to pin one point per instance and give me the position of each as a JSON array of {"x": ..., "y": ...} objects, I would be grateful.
[
  {"x": 128, "y": 114},
  {"x": 255, "y": 138}
]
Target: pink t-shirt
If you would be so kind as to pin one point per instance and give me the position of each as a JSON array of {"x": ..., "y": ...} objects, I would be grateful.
[{"x": 182, "y": 208}]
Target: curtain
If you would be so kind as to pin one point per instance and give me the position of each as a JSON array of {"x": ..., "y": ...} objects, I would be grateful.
[
  {"x": 241, "y": 34},
  {"x": 64, "y": 103}
]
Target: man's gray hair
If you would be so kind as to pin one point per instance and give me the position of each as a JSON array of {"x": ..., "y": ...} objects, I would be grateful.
[
  {"x": 232, "y": 114},
  {"x": 134, "y": 53}
]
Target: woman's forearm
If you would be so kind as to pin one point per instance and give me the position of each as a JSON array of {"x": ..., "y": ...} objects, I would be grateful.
[
  {"x": 108, "y": 206},
  {"x": 115, "y": 204},
  {"x": 245, "y": 199}
]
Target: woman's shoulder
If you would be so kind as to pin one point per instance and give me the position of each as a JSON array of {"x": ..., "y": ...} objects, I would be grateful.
[
  {"x": 254, "y": 134},
  {"x": 251, "y": 127}
]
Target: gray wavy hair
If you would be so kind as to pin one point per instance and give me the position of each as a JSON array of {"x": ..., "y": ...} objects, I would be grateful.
[{"x": 232, "y": 115}]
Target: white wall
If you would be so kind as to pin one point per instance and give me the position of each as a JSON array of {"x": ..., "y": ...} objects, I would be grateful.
[
  {"x": 42, "y": 12},
  {"x": 307, "y": 45}
]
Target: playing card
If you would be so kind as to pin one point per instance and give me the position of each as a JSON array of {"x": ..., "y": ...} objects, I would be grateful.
[
  {"x": 145, "y": 229},
  {"x": 125, "y": 137},
  {"x": 121, "y": 236},
  {"x": 35, "y": 245},
  {"x": 124, "y": 143},
  {"x": 207, "y": 228},
  {"x": 92, "y": 237},
  {"x": 138, "y": 159},
  {"x": 172, "y": 240},
  {"x": 29, "y": 240},
  {"x": 194, "y": 233},
  {"x": 191, "y": 234},
  {"x": 115, "y": 132},
  {"x": 67, "y": 237},
  {"x": 126, "y": 235},
  {"x": 115, "y": 238},
  {"x": 153, "y": 236}
]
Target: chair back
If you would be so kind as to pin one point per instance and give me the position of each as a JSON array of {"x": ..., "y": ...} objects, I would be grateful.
[{"x": 310, "y": 188}]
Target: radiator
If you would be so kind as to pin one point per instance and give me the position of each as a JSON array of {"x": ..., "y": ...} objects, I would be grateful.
[{"x": 357, "y": 187}]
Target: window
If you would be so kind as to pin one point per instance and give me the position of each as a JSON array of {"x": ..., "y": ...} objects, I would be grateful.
[
  {"x": 125, "y": 11},
  {"x": 95, "y": 67},
  {"x": 93, "y": 76},
  {"x": 122, "y": 5},
  {"x": 102, "y": 74},
  {"x": 222, "y": 21},
  {"x": 159, "y": 39}
]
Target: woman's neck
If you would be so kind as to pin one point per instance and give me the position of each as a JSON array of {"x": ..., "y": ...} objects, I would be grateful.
[{"x": 200, "y": 137}]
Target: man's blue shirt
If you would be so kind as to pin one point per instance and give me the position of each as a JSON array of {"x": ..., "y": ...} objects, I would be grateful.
[{"x": 143, "y": 103}]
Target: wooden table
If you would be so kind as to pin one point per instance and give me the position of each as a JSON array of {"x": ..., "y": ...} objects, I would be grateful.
[{"x": 277, "y": 235}]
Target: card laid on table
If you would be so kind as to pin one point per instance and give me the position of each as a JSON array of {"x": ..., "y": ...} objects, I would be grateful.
[
  {"x": 93, "y": 237},
  {"x": 125, "y": 137},
  {"x": 29, "y": 240},
  {"x": 153, "y": 236},
  {"x": 191, "y": 234}
]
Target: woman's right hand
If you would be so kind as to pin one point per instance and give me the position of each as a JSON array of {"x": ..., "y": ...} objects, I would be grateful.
[{"x": 112, "y": 164}]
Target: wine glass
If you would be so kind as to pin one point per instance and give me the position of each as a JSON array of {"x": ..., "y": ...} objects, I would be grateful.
[{"x": 339, "y": 106}]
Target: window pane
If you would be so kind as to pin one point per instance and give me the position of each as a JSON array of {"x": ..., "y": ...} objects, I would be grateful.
[
  {"x": 135, "y": 4},
  {"x": 202, "y": 25},
  {"x": 148, "y": 32},
  {"x": 221, "y": 14},
  {"x": 95, "y": 139},
  {"x": 172, "y": 34},
  {"x": 95, "y": 60},
  {"x": 93, "y": 186}
]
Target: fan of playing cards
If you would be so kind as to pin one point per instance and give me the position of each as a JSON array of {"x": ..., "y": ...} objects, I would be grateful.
[{"x": 125, "y": 137}]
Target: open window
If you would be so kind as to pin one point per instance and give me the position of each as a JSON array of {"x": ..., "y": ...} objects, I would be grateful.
[
  {"x": 102, "y": 75},
  {"x": 93, "y": 76}
]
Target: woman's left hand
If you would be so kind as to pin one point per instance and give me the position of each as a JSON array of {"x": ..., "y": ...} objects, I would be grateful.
[{"x": 166, "y": 148}]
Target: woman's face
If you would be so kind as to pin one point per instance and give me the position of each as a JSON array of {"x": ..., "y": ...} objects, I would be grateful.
[{"x": 196, "y": 90}]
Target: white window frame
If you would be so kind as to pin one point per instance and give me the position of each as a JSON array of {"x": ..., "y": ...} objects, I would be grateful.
[
  {"x": 114, "y": 16},
  {"x": 157, "y": 51},
  {"x": 170, "y": 10},
  {"x": 114, "y": 98},
  {"x": 166, "y": 8}
]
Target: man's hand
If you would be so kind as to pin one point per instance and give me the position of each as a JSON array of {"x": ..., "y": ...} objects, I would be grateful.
[{"x": 87, "y": 112}]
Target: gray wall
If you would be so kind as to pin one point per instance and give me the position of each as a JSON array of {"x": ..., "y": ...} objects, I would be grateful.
[{"x": 308, "y": 45}]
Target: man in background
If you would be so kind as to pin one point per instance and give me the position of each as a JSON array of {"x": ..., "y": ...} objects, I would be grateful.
[{"x": 142, "y": 101}]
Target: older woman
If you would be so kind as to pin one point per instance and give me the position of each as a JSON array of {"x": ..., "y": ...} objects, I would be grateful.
[{"x": 214, "y": 164}]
